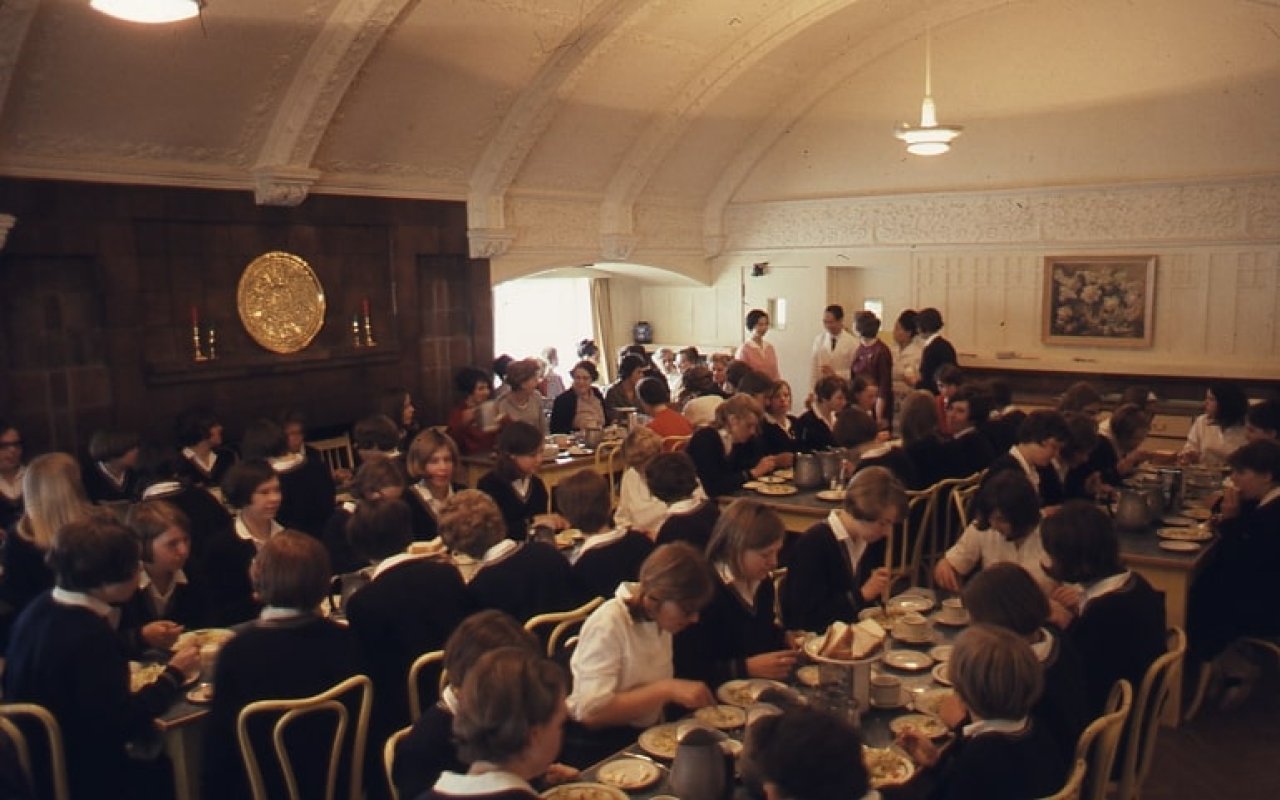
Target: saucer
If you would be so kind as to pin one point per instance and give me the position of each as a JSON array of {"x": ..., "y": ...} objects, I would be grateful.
[
  {"x": 909, "y": 660},
  {"x": 957, "y": 622},
  {"x": 831, "y": 495},
  {"x": 1178, "y": 546},
  {"x": 941, "y": 652},
  {"x": 201, "y": 695},
  {"x": 924, "y": 636},
  {"x": 940, "y": 674}
]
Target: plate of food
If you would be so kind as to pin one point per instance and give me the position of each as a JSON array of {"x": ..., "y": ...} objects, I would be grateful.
[
  {"x": 776, "y": 489},
  {"x": 1198, "y": 513},
  {"x": 845, "y": 644},
  {"x": 1176, "y": 546},
  {"x": 201, "y": 695},
  {"x": 1177, "y": 520},
  {"x": 724, "y": 717},
  {"x": 583, "y": 791},
  {"x": 744, "y": 692},
  {"x": 940, "y": 674},
  {"x": 830, "y": 495},
  {"x": 923, "y": 724},
  {"x": 909, "y": 660},
  {"x": 772, "y": 479},
  {"x": 887, "y": 766},
  {"x": 629, "y": 773},
  {"x": 786, "y": 473},
  {"x": 202, "y": 636},
  {"x": 752, "y": 485},
  {"x": 659, "y": 741},
  {"x": 141, "y": 675},
  {"x": 930, "y": 701},
  {"x": 905, "y": 603},
  {"x": 1191, "y": 534}
]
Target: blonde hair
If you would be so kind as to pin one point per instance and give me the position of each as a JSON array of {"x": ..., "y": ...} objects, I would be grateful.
[
  {"x": 640, "y": 447},
  {"x": 871, "y": 492},
  {"x": 676, "y": 573},
  {"x": 740, "y": 405},
  {"x": 745, "y": 525},
  {"x": 53, "y": 495},
  {"x": 424, "y": 446}
]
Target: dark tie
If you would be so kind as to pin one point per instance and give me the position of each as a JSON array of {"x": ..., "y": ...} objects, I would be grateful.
[{"x": 833, "y": 343}]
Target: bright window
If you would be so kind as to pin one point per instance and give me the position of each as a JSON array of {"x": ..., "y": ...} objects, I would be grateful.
[{"x": 532, "y": 313}]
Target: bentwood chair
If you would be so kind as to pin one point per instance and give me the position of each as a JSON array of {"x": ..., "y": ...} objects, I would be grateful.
[
  {"x": 389, "y": 758},
  {"x": 326, "y": 705},
  {"x": 1071, "y": 790},
  {"x": 1100, "y": 740},
  {"x": 606, "y": 452},
  {"x": 415, "y": 680},
  {"x": 675, "y": 444},
  {"x": 1144, "y": 722},
  {"x": 21, "y": 723},
  {"x": 336, "y": 452},
  {"x": 560, "y": 623},
  {"x": 962, "y": 501}
]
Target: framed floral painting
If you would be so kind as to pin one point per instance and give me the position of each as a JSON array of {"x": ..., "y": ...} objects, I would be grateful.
[{"x": 1099, "y": 301}]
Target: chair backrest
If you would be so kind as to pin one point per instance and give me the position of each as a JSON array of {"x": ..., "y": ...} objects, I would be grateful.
[
  {"x": 606, "y": 452},
  {"x": 329, "y": 702},
  {"x": 916, "y": 526},
  {"x": 389, "y": 759},
  {"x": 1099, "y": 741},
  {"x": 415, "y": 680},
  {"x": 962, "y": 501},
  {"x": 1144, "y": 722},
  {"x": 17, "y": 721},
  {"x": 1071, "y": 790},
  {"x": 336, "y": 452},
  {"x": 560, "y": 623},
  {"x": 675, "y": 444},
  {"x": 779, "y": 577}
]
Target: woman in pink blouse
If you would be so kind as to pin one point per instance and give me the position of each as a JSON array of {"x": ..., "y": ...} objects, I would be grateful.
[{"x": 755, "y": 351}]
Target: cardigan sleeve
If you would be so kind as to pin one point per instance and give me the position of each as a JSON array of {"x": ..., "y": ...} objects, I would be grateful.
[{"x": 714, "y": 468}]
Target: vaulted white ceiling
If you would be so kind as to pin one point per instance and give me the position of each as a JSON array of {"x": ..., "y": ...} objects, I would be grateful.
[{"x": 639, "y": 119}]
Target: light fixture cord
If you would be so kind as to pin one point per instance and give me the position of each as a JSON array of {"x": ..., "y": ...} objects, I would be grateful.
[{"x": 928, "y": 61}]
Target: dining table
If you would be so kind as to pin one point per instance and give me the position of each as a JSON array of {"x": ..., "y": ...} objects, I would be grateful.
[
  {"x": 181, "y": 730},
  {"x": 552, "y": 470}
]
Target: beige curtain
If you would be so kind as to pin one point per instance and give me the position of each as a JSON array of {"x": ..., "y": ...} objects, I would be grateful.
[{"x": 602, "y": 327}]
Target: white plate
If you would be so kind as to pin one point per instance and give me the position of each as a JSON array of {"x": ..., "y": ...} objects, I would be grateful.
[
  {"x": 921, "y": 637},
  {"x": 909, "y": 602},
  {"x": 742, "y": 693},
  {"x": 909, "y": 660},
  {"x": 813, "y": 649},
  {"x": 958, "y": 622},
  {"x": 724, "y": 717},
  {"x": 830, "y": 495},
  {"x": 772, "y": 479},
  {"x": 629, "y": 774},
  {"x": 203, "y": 636},
  {"x": 776, "y": 489},
  {"x": 1176, "y": 546},
  {"x": 887, "y": 766},
  {"x": 201, "y": 695},
  {"x": 583, "y": 791},
  {"x": 940, "y": 674},
  {"x": 930, "y": 700},
  {"x": 1196, "y": 513},
  {"x": 924, "y": 724},
  {"x": 660, "y": 740},
  {"x": 941, "y": 652},
  {"x": 1177, "y": 521},
  {"x": 1192, "y": 534}
]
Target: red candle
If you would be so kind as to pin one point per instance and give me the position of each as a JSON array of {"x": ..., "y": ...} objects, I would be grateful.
[
  {"x": 364, "y": 305},
  {"x": 195, "y": 317}
]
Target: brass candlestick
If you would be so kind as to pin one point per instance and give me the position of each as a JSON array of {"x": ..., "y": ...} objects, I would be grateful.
[
  {"x": 355, "y": 331},
  {"x": 197, "y": 355},
  {"x": 368, "y": 332},
  {"x": 213, "y": 342}
]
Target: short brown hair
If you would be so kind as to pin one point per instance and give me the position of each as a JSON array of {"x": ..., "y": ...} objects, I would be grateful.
[
  {"x": 380, "y": 528},
  {"x": 520, "y": 371},
  {"x": 1081, "y": 542},
  {"x": 291, "y": 571},
  {"x": 1005, "y": 595},
  {"x": 872, "y": 491},
  {"x": 150, "y": 518},
  {"x": 92, "y": 552},
  {"x": 244, "y": 478},
  {"x": 828, "y": 385},
  {"x": 478, "y": 634},
  {"x": 671, "y": 477},
  {"x": 740, "y": 405},
  {"x": 676, "y": 573},
  {"x": 471, "y": 523},
  {"x": 995, "y": 672},
  {"x": 507, "y": 693},
  {"x": 744, "y": 525},
  {"x": 106, "y": 445},
  {"x": 854, "y": 427},
  {"x": 376, "y": 475},
  {"x": 808, "y": 754},
  {"x": 424, "y": 445},
  {"x": 583, "y": 498},
  {"x": 919, "y": 417},
  {"x": 640, "y": 446}
]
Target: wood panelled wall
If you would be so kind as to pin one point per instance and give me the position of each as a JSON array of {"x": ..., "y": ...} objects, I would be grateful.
[{"x": 97, "y": 284}]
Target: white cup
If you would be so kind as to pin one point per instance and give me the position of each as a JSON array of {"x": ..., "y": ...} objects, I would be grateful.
[
  {"x": 886, "y": 690},
  {"x": 952, "y": 610},
  {"x": 913, "y": 624}
]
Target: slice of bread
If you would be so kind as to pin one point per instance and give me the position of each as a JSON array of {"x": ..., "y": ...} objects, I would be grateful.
[{"x": 837, "y": 640}]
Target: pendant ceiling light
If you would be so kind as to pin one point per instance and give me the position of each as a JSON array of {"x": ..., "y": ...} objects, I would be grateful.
[
  {"x": 928, "y": 138},
  {"x": 152, "y": 12}
]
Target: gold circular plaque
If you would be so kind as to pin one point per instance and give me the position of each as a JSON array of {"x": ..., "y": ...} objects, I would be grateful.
[{"x": 281, "y": 302}]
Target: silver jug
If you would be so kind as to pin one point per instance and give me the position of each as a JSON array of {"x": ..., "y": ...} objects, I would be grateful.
[
  {"x": 702, "y": 770},
  {"x": 1133, "y": 510},
  {"x": 808, "y": 472},
  {"x": 831, "y": 461}
]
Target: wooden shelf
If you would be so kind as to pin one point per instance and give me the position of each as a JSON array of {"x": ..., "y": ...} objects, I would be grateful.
[{"x": 315, "y": 358}]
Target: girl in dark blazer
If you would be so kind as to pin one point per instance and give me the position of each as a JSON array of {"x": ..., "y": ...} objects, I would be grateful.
[
  {"x": 609, "y": 556},
  {"x": 513, "y": 483},
  {"x": 111, "y": 476},
  {"x": 379, "y": 479},
  {"x": 166, "y": 602},
  {"x": 204, "y": 460},
  {"x": 727, "y": 454},
  {"x": 432, "y": 462},
  {"x": 813, "y": 427}
]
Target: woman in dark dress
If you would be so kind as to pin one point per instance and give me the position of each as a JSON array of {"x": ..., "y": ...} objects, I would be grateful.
[
  {"x": 582, "y": 406},
  {"x": 873, "y": 361},
  {"x": 937, "y": 350},
  {"x": 513, "y": 483},
  {"x": 11, "y": 471},
  {"x": 432, "y": 461},
  {"x": 736, "y": 636},
  {"x": 1119, "y": 622},
  {"x": 289, "y": 652}
]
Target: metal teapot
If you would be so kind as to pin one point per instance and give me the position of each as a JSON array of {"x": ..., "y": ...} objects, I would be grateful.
[
  {"x": 702, "y": 770},
  {"x": 831, "y": 461},
  {"x": 808, "y": 472},
  {"x": 1135, "y": 510}
]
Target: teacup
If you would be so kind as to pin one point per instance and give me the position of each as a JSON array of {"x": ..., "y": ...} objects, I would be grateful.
[
  {"x": 886, "y": 690},
  {"x": 952, "y": 610},
  {"x": 913, "y": 625}
]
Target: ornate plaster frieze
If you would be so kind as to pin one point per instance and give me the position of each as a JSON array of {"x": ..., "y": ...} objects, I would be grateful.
[
  {"x": 489, "y": 242},
  {"x": 349, "y": 36},
  {"x": 535, "y": 107},
  {"x": 7, "y": 222},
  {"x": 15, "y": 22},
  {"x": 702, "y": 88},
  {"x": 812, "y": 88},
  {"x": 282, "y": 186},
  {"x": 1220, "y": 211}
]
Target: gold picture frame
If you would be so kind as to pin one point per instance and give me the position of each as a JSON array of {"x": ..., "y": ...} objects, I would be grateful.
[
  {"x": 281, "y": 302},
  {"x": 1099, "y": 301}
]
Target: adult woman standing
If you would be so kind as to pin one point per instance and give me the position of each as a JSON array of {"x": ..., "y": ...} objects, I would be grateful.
[
  {"x": 622, "y": 394},
  {"x": 1217, "y": 432},
  {"x": 623, "y": 673},
  {"x": 755, "y": 351},
  {"x": 874, "y": 361},
  {"x": 725, "y": 453},
  {"x": 523, "y": 403},
  {"x": 936, "y": 350},
  {"x": 54, "y": 496},
  {"x": 736, "y": 635},
  {"x": 474, "y": 387},
  {"x": 582, "y": 406},
  {"x": 11, "y": 471}
]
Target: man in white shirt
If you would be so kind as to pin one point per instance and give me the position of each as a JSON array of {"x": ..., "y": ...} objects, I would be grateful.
[{"x": 833, "y": 349}]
